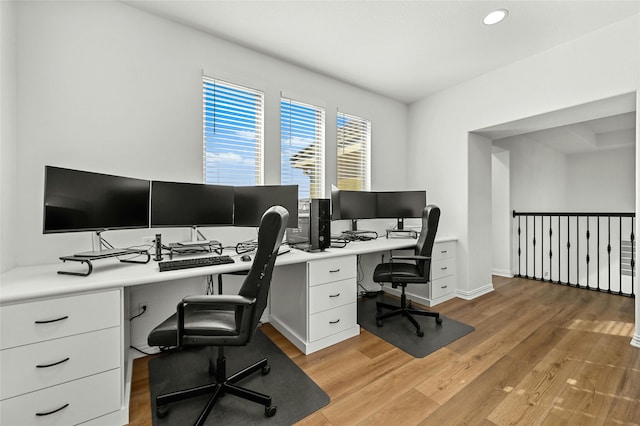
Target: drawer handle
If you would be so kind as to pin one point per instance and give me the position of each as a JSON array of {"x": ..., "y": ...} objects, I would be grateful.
[
  {"x": 334, "y": 322},
  {"x": 444, "y": 286},
  {"x": 52, "y": 364},
  {"x": 443, "y": 251},
  {"x": 53, "y": 320},
  {"x": 52, "y": 411},
  {"x": 334, "y": 270},
  {"x": 444, "y": 268},
  {"x": 334, "y": 295}
]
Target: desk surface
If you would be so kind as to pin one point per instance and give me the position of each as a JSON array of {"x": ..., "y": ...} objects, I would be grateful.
[{"x": 35, "y": 282}]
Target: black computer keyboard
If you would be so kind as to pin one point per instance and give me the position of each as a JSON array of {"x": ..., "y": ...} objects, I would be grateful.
[{"x": 194, "y": 262}]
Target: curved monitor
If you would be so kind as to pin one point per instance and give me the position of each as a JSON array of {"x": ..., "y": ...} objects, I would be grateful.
[
  {"x": 76, "y": 200},
  {"x": 252, "y": 201},
  {"x": 181, "y": 204}
]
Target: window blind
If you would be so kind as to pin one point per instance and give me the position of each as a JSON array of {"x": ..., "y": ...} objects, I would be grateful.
[
  {"x": 302, "y": 136},
  {"x": 353, "y": 157},
  {"x": 233, "y": 137}
]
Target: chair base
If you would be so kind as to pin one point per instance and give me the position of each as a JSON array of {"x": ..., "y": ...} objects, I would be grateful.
[
  {"x": 224, "y": 385},
  {"x": 406, "y": 310}
]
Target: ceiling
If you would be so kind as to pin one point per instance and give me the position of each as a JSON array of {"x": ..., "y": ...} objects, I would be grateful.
[
  {"x": 604, "y": 124},
  {"x": 405, "y": 50},
  {"x": 611, "y": 132}
]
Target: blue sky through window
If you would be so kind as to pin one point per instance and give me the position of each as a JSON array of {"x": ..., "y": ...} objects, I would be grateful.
[
  {"x": 232, "y": 134},
  {"x": 301, "y": 147}
]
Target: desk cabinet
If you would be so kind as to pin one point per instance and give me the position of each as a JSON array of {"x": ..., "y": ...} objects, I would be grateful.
[
  {"x": 443, "y": 284},
  {"x": 314, "y": 304},
  {"x": 443, "y": 272},
  {"x": 61, "y": 360}
]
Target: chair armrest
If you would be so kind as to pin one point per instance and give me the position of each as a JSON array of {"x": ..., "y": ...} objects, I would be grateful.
[
  {"x": 411, "y": 257},
  {"x": 220, "y": 301}
]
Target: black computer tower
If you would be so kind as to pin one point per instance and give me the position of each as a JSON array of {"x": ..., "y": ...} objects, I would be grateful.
[{"x": 319, "y": 224}]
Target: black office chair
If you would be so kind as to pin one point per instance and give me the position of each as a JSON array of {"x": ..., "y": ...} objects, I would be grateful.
[
  {"x": 403, "y": 273},
  {"x": 226, "y": 320}
]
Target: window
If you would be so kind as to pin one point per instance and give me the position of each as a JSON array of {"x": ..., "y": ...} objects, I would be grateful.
[
  {"x": 302, "y": 148},
  {"x": 233, "y": 137},
  {"x": 354, "y": 163}
]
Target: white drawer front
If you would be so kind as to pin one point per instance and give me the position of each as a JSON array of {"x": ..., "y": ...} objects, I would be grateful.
[
  {"x": 333, "y": 321},
  {"x": 333, "y": 269},
  {"x": 443, "y": 286},
  {"x": 53, "y": 318},
  {"x": 442, "y": 268},
  {"x": 332, "y": 295},
  {"x": 444, "y": 250},
  {"x": 87, "y": 399},
  {"x": 59, "y": 361}
]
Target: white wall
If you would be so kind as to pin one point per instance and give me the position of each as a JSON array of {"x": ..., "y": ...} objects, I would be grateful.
[
  {"x": 501, "y": 217},
  {"x": 538, "y": 175},
  {"x": 545, "y": 179},
  {"x": 596, "y": 66},
  {"x": 108, "y": 88},
  {"x": 8, "y": 135},
  {"x": 602, "y": 181}
]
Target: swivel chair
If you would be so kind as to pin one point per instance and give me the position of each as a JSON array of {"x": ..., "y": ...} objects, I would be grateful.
[
  {"x": 226, "y": 320},
  {"x": 403, "y": 273}
]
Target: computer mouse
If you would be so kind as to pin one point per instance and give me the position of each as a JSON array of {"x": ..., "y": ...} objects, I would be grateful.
[{"x": 245, "y": 258}]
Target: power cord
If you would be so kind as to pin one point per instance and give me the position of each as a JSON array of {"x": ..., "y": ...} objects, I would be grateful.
[{"x": 144, "y": 309}]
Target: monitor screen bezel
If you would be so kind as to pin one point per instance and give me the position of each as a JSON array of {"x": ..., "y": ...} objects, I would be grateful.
[
  {"x": 391, "y": 204},
  {"x": 365, "y": 203},
  {"x": 186, "y": 193},
  {"x": 81, "y": 177},
  {"x": 250, "y": 203}
]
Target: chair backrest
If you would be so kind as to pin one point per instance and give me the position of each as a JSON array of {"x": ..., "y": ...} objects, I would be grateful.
[
  {"x": 424, "y": 246},
  {"x": 258, "y": 280}
]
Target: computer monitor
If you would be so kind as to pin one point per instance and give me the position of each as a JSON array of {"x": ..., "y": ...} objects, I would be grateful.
[
  {"x": 76, "y": 200},
  {"x": 401, "y": 204},
  {"x": 251, "y": 202},
  {"x": 353, "y": 205},
  {"x": 182, "y": 204}
]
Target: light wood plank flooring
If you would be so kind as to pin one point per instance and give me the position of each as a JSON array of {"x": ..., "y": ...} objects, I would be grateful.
[{"x": 541, "y": 354}]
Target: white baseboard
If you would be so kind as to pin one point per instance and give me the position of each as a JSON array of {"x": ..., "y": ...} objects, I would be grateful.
[
  {"x": 635, "y": 341},
  {"x": 469, "y": 295},
  {"x": 502, "y": 273}
]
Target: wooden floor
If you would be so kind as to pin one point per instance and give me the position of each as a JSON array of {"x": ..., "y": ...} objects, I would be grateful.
[{"x": 541, "y": 354}]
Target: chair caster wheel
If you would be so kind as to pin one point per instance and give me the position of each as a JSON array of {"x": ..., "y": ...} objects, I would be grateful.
[
  {"x": 162, "y": 411},
  {"x": 420, "y": 333},
  {"x": 270, "y": 411},
  {"x": 439, "y": 321},
  {"x": 266, "y": 370},
  {"x": 379, "y": 323}
]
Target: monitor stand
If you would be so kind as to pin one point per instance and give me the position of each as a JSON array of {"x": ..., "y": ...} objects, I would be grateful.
[
  {"x": 101, "y": 248},
  {"x": 197, "y": 239}
]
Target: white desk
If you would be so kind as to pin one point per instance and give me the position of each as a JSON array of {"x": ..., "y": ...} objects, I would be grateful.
[{"x": 313, "y": 303}]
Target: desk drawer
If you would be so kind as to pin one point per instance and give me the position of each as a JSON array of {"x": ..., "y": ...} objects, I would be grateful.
[
  {"x": 83, "y": 400},
  {"x": 53, "y": 318},
  {"x": 332, "y": 269},
  {"x": 443, "y": 268},
  {"x": 443, "y": 250},
  {"x": 85, "y": 354},
  {"x": 332, "y": 295},
  {"x": 443, "y": 286},
  {"x": 333, "y": 321}
]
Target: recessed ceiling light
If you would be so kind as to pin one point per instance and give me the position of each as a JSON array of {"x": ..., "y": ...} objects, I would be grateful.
[{"x": 495, "y": 16}]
